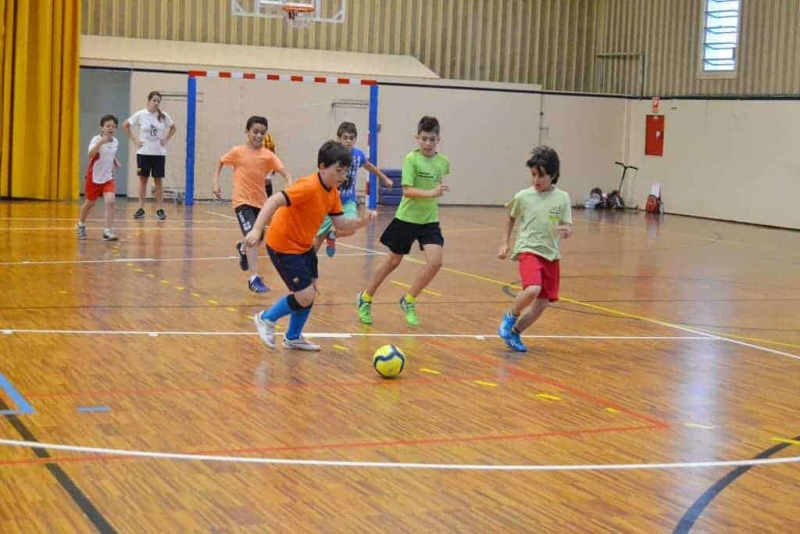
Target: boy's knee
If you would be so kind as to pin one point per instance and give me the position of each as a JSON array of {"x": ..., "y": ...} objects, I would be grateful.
[
  {"x": 394, "y": 260},
  {"x": 302, "y": 299}
]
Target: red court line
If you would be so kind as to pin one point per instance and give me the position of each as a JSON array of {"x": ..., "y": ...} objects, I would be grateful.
[
  {"x": 94, "y": 458},
  {"x": 313, "y": 385},
  {"x": 538, "y": 378}
]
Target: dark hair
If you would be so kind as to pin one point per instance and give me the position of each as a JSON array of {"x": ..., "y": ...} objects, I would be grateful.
[
  {"x": 105, "y": 118},
  {"x": 347, "y": 127},
  {"x": 333, "y": 152},
  {"x": 256, "y": 119},
  {"x": 150, "y": 96},
  {"x": 428, "y": 124},
  {"x": 596, "y": 191},
  {"x": 545, "y": 160}
]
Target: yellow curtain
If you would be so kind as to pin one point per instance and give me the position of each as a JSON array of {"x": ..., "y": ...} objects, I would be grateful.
[{"x": 39, "y": 152}]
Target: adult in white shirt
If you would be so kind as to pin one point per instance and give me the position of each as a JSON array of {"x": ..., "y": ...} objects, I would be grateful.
[
  {"x": 100, "y": 176},
  {"x": 155, "y": 129}
]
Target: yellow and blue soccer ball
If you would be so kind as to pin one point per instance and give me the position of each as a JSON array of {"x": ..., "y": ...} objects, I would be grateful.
[{"x": 389, "y": 361}]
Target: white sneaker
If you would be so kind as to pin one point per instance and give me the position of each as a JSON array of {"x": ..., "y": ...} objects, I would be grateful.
[
  {"x": 300, "y": 343},
  {"x": 108, "y": 235},
  {"x": 82, "y": 232},
  {"x": 266, "y": 330}
]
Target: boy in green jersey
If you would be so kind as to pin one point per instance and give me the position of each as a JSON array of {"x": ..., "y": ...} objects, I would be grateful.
[
  {"x": 416, "y": 219},
  {"x": 545, "y": 218}
]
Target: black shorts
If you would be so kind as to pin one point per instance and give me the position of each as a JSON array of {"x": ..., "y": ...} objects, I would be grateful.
[
  {"x": 298, "y": 271},
  {"x": 400, "y": 235},
  {"x": 268, "y": 188},
  {"x": 154, "y": 166},
  {"x": 247, "y": 215}
]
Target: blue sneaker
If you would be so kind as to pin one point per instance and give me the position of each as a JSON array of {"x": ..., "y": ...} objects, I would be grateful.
[
  {"x": 257, "y": 285},
  {"x": 330, "y": 244},
  {"x": 514, "y": 342},
  {"x": 506, "y": 325}
]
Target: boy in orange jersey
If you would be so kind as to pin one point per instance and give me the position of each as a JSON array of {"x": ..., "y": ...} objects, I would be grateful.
[
  {"x": 294, "y": 216},
  {"x": 251, "y": 164}
]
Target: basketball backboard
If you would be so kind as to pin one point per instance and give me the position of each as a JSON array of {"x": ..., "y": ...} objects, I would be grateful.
[{"x": 323, "y": 10}]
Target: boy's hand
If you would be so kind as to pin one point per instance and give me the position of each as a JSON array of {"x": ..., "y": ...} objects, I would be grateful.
[
  {"x": 439, "y": 190},
  {"x": 502, "y": 252},
  {"x": 252, "y": 238},
  {"x": 388, "y": 183},
  {"x": 107, "y": 138},
  {"x": 217, "y": 192},
  {"x": 564, "y": 231},
  {"x": 371, "y": 214}
]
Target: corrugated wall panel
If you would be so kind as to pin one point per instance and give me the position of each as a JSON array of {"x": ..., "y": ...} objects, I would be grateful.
[
  {"x": 550, "y": 42},
  {"x": 670, "y": 33}
]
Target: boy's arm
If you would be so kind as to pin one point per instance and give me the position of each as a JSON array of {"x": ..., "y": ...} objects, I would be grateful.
[
  {"x": 343, "y": 224},
  {"x": 286, "y": 174},
  {"x": 216, "y": 189},
  {"x": 95, "y": 148},
  {"x": 117, "y": 163},
  {"x": 272, "y": 204},
  {"x": 415, "y": 192},
  {"x": 379, "y": 173},
  {"x": 502, "y": 253},
  {"x": 566, "y": 228}
]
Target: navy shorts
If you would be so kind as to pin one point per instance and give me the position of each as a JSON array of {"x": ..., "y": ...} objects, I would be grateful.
[
  {"x": 298, "y": 271},
  {"x": 247, "y": 215},
  {"x": 400, "y": 235}
]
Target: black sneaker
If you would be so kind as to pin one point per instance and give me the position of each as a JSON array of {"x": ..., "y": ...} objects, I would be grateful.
[
  {"x": 139, "y": 214},
  {"x": 161, "y": 215},
  {"x": 243, "y": 263}
]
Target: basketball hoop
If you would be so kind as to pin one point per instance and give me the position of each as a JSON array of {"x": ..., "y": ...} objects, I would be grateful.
[{"x": 298, "y": 15}]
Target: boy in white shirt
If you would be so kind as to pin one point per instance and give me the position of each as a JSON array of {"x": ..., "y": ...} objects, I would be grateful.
[{"x": 100, "y": 176}]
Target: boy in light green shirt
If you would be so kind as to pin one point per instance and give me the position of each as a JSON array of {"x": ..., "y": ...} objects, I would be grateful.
[
  {"x": 545, "y": 218},
  {"x": 416, "y": 219}
]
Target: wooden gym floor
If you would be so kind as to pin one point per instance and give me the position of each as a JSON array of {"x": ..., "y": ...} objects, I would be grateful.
[{"x": 660, "y": 394}]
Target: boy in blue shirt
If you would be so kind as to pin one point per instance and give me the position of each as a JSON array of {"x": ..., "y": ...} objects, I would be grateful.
[{"x": 347, "y": 135}]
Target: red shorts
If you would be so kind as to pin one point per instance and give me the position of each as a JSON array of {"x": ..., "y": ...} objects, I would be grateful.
[
  {"x": 93, "y": 190},
  {"x": 537, "y": 271}
]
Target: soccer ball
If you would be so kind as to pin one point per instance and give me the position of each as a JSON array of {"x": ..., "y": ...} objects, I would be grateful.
[{"x": 389, "y": 361}]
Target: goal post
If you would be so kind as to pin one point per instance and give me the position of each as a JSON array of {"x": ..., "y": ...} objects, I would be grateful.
[{"x": 225, "y": 99}]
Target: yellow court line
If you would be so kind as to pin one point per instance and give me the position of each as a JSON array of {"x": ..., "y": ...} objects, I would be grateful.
[
  {"x": 428, "y": 291},
  {"x": 487, "y": 384},
  {"x": 789, "y": 441},
  {"x": 612, "y": 410},
  {"x": 430, "y": 371},
  {"x": 232, "y": 309},
  {"x": 547, "y": 396},
  {"x": 340, "y": 347},
  {"x": 212, "y": 302},
  {"x": 165, "y": 281}
]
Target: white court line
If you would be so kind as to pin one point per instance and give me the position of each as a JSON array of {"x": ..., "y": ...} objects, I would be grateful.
[
  {"x": 722, "y": 338},
  {"x": 391, "y": 465},
  {"x": 127, "y": 228},
  {"x": 139, "y": 260},
  {"x": 220, "y": 215},
  {"x": 330, "y": 335}
]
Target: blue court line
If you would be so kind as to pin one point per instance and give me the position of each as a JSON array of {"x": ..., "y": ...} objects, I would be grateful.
[
  {"x": 94, "y": 409},
  {"x": 23, "y": 407}
]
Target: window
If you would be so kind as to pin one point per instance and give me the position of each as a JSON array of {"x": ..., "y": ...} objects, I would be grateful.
[{"x": 720, "y": 35}]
